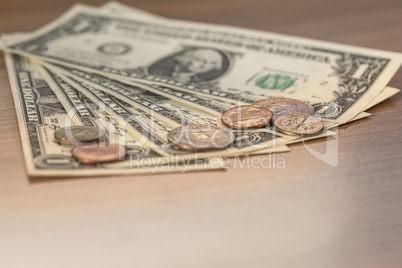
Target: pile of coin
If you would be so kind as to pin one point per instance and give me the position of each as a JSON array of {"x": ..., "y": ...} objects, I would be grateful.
[
  {"x": 88, "y": 148},
  {"x": 292, "y": 117}
]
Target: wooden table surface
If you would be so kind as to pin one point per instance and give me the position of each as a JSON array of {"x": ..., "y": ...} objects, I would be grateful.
[{"x": 306, "y": 215}]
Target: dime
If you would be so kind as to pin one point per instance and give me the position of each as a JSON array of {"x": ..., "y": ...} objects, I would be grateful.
[
  {"x": 299, "y": 124},
  {"x": 200, "y": 137},
  {"x": 79, "y": 134},
  {"x": 247, "y": 116},
  {"x": 99, "y": 153},
  {"x": 280, "y": 106}
]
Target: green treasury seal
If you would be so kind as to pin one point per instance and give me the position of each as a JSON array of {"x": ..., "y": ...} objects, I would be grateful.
[{"x": 274, "y": 81}]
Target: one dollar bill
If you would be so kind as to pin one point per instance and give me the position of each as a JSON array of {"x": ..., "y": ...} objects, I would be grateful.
[{"x": 226, "y": 63}]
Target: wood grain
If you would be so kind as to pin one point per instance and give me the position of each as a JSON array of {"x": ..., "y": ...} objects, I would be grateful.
[{"x": 306, "y": 215}]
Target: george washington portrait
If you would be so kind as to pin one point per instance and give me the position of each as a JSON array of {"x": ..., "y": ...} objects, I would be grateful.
[{"x": 192, "y": 65}]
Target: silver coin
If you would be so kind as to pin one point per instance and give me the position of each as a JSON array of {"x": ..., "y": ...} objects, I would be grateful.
[
  {"x": 79, "y": 134},
  {"x": 201, "y": 137},
  {"x": 299, "y": 124}
]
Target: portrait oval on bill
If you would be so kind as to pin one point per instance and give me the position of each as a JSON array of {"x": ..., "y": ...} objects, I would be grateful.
[{"x": 192, "y": 65}]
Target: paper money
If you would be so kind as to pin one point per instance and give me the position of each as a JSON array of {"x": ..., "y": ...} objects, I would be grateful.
[
  {"x": 119, "y": 8},
  {"x": 40, "y": 114},
  {"x": 386, "y": 93},
  {"x": 222, "y": 62}
]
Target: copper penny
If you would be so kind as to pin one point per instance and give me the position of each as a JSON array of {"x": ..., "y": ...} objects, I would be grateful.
[
  {"x": 299, "y": 124},
  {"x": 200, "y": 137},
  {"x": 78, "y": 134},
  {"x": 247, "y": 116},
  {"x": 98, "y": 153},
  {"x": 280, "y": 106}
]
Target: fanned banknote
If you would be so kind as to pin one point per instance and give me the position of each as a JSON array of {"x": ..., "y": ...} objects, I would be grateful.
[{"x": 40, "y": 113}]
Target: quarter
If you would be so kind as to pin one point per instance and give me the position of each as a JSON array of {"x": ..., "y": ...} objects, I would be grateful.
[
  {"x": 299, "y": 124},
  {"x": 200, "y": 137},
  {"x": 78, "y": 134}
]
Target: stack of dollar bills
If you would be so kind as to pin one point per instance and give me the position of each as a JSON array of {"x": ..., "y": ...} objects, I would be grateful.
[{"x": 120, "y": 69}]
